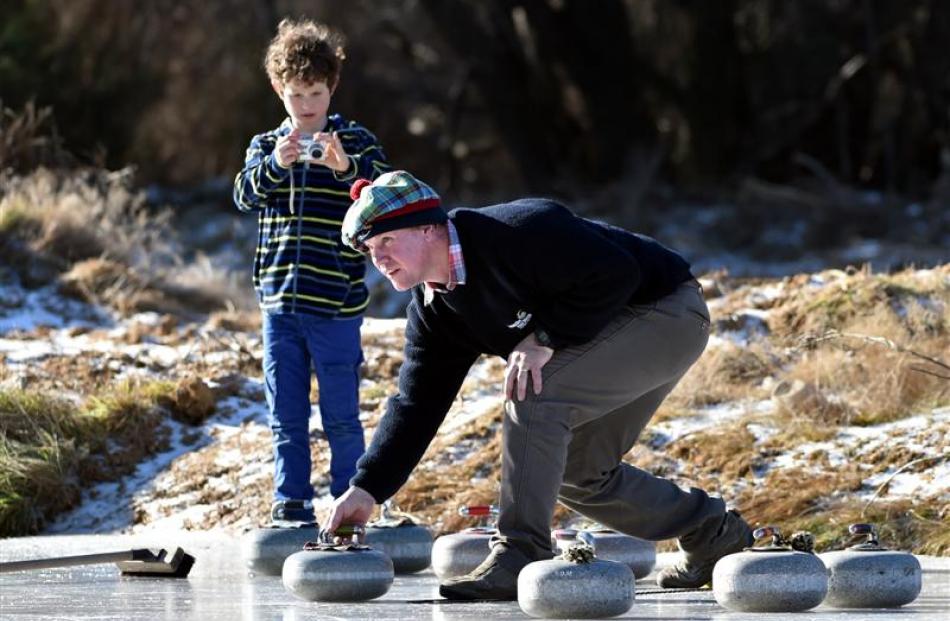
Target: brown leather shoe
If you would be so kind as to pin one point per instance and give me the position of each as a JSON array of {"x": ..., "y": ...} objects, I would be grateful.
[
  {"x": 703, "y": 548},
  {"x": 495, "y": 579}
]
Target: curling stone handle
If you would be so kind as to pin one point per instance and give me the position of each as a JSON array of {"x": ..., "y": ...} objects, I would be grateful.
[
  {"x": 565, "y": 534},
  {"x": 769, "y": 531},
  {"x": 588, "y": 538},
  {"x": 864, "y": 529},
  {"x": 765, "y": 531},
  {"x": 478, "y": 510},
  {"x": 351, "y": 531}
]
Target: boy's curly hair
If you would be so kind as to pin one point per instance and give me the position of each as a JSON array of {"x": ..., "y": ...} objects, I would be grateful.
[{"x": 304, "y": 50}]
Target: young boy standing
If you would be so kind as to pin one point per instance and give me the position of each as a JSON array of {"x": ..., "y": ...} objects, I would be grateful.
[{"x": 310, "y": 286}]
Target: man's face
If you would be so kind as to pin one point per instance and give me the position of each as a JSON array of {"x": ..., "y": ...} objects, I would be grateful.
[
  {"x": 401, "y": 255},
  {"x": 306, "y": 103}
]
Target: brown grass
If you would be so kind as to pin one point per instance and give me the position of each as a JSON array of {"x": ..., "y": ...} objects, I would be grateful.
[
  {"x": 439, "y": 486},
  {"x": 791, "y": 493},
  {"x": 722, "y": 374},
  {"x": 902, "y": 525},
  {"x": 727, "y": 452}
]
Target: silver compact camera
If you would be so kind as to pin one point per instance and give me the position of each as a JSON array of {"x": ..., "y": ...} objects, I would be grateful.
[{"x": 310, "y": 149}]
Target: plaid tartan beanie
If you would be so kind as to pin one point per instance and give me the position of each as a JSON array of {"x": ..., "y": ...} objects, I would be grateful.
[{"x": 395, "y": 200}]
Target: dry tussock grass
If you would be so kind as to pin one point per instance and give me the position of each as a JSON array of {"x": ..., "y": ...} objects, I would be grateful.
[
  {"x": 902, "y": 525},
  {"x": 726, "y": 453},
  {"x": 116, "y": 285},
  {"x": 792, "y": 493},
  {"x": 58, "y": 220},
  {"x": 849, "y": 299},
  {"x": 722, "y": 374},
  {"x": 877, "y": 383}
]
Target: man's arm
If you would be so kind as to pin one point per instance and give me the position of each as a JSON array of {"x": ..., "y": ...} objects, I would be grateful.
[{"x": 429, "y": 379}]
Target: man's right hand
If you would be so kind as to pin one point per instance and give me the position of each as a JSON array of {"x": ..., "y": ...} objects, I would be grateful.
[
  {"x": 288, "y": 149},
  {"x": 355, "y": 506}
]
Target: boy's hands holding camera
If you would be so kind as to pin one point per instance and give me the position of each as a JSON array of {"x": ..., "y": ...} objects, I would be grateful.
[
  {"x": 334, "y": 155},
  {"x": 290, "y": 149}
]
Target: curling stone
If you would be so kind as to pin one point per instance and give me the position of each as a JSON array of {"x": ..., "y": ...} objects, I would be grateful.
[
  {"x": 458, "y": 554},
  {"x": 784, "y": 576},
  {"x": 407, "y": 544},
  {"x": 328, "y": 572},
  {"x": 576, "y": 585},
  {"x": 638, "y": 554},
  {"x": 264, "y": 549},
  {"x": 869, "y": 576}
]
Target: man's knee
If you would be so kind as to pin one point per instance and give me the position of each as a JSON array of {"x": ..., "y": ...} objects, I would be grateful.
[{"x": 582, "y": 484}]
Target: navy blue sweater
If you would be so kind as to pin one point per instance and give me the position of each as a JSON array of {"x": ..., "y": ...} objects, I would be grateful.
[{"x": 529, "y": 264}]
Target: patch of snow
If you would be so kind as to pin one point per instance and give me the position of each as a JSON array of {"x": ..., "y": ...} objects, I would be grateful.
[
  {"x": 26, "y": 310},
  {"x": 713, "y": 416},
  {"x": 107, "y": 507},
  {"x": 853, "y": 442}
]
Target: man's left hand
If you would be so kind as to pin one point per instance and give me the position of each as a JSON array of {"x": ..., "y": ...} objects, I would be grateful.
[{"x": 526, "y": 359}]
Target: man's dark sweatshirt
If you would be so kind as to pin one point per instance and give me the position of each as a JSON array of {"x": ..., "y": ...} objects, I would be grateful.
[{"x": 531, "y": 265}]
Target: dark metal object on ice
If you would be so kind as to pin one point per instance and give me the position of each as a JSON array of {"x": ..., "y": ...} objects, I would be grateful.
[{"x": 137, "y": 562}]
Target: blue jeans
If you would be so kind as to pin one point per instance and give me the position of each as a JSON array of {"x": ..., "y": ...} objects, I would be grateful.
[{"x": 292, "y": 342}]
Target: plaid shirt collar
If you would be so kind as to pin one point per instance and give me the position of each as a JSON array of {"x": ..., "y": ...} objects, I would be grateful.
[{"x": 456, "y": 268}]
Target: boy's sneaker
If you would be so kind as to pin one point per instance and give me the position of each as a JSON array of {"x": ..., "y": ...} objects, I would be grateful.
[
  {"x": 292, "y": 513},
  {"x": 703, "y": 548}
]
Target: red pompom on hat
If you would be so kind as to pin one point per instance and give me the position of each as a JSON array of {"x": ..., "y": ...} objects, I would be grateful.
[{"x": 358, "y": 186}]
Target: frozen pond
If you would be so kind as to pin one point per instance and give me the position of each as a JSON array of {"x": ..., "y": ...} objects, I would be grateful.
[{"x": 218, "y": 588}]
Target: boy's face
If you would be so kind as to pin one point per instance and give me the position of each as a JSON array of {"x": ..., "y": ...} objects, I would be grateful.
[{"x": 306, "y": 103}]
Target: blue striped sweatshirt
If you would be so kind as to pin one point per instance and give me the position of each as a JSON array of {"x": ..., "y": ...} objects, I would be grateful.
[{"x": 301, "y": 264}]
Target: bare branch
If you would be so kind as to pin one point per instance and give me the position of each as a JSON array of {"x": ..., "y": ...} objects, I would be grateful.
[{"x": 831, "y": 335}]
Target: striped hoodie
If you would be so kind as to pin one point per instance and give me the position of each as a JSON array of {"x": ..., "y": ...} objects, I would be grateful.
[{"x": 301, "y": 265}]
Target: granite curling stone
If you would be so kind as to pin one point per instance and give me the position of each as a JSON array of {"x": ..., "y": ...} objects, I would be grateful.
[
  {"x": 330, "y": 572},
  {"x": 576, "y": 585},
  {"x": 459, "y": 553},
  {"x": 406, "y": 543},
  {"x": 867, "y": 575},
  {"x": 638, "y": 554},
  {"x": 784, "y": 576},
  {"x": 265, "y": 549}
]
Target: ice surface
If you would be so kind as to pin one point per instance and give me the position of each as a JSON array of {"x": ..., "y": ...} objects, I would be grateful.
[{"x": 218, "y": 588}]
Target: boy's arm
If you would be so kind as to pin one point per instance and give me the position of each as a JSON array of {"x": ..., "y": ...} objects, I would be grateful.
[
  {"x": 367, "y": 159},
  {"x": 261, "y": 174}
]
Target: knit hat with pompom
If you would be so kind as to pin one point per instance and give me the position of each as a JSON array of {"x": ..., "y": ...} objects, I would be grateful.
[{"x": 394, "y": 200}]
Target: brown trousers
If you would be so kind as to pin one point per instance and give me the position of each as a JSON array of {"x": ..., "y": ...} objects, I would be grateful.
[{"x": 566, "y": 444}]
